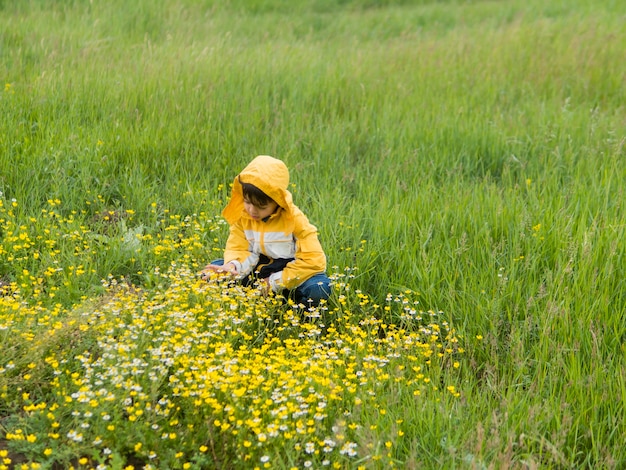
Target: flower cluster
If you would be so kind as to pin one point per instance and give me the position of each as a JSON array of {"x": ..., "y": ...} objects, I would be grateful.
[
  {"x": 185, "y": 373},
  {"x": 62, "y": 254}
]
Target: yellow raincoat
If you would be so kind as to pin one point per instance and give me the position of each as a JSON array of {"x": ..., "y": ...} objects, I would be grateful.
[{"x": 286, "y": 234}]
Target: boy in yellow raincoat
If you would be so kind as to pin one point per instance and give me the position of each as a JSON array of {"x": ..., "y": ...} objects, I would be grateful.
[{"x": 271, "y": 240}]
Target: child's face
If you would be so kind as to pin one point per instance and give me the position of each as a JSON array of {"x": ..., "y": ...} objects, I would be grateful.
[{"x": 259, "y": 212}]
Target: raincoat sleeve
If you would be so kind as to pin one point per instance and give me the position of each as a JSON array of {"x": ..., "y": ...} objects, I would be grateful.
[
  {"x": 309, "y": 259},
  {"x": 238, "y": 252}
]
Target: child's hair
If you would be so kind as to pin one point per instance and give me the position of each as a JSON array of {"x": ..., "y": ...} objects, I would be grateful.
[{"x": 254, "y": 195}]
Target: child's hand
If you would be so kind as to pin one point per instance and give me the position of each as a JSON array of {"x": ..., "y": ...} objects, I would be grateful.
[{"x": 228, "y": 269}]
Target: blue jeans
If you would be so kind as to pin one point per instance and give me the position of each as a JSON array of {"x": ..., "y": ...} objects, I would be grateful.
[{"x": 310, "y": 293}]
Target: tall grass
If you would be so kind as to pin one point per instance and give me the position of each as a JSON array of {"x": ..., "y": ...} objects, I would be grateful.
[{"x": 472, "y": 152}]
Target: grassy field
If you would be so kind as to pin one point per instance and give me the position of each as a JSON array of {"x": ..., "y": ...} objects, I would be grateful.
[{"x": 465, "y": 164}]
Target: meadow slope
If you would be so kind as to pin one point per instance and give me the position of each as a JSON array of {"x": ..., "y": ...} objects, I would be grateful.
[{"x": 464, "y": 162}]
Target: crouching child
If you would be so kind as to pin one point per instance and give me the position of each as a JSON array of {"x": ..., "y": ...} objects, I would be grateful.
[{"x": 270, "y": 240}]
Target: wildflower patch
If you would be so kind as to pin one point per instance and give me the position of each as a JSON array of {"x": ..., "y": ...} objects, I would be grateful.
[{"x": 199, "y": 375}]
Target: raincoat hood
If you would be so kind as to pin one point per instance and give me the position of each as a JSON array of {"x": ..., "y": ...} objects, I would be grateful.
[{"x": 268, "y": 174}]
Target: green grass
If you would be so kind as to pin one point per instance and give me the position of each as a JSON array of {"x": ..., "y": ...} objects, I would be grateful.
[{"x": 470, "y": 152}]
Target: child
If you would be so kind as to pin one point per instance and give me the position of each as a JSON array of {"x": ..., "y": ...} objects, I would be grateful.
[{"x": 270, "y": 239}]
